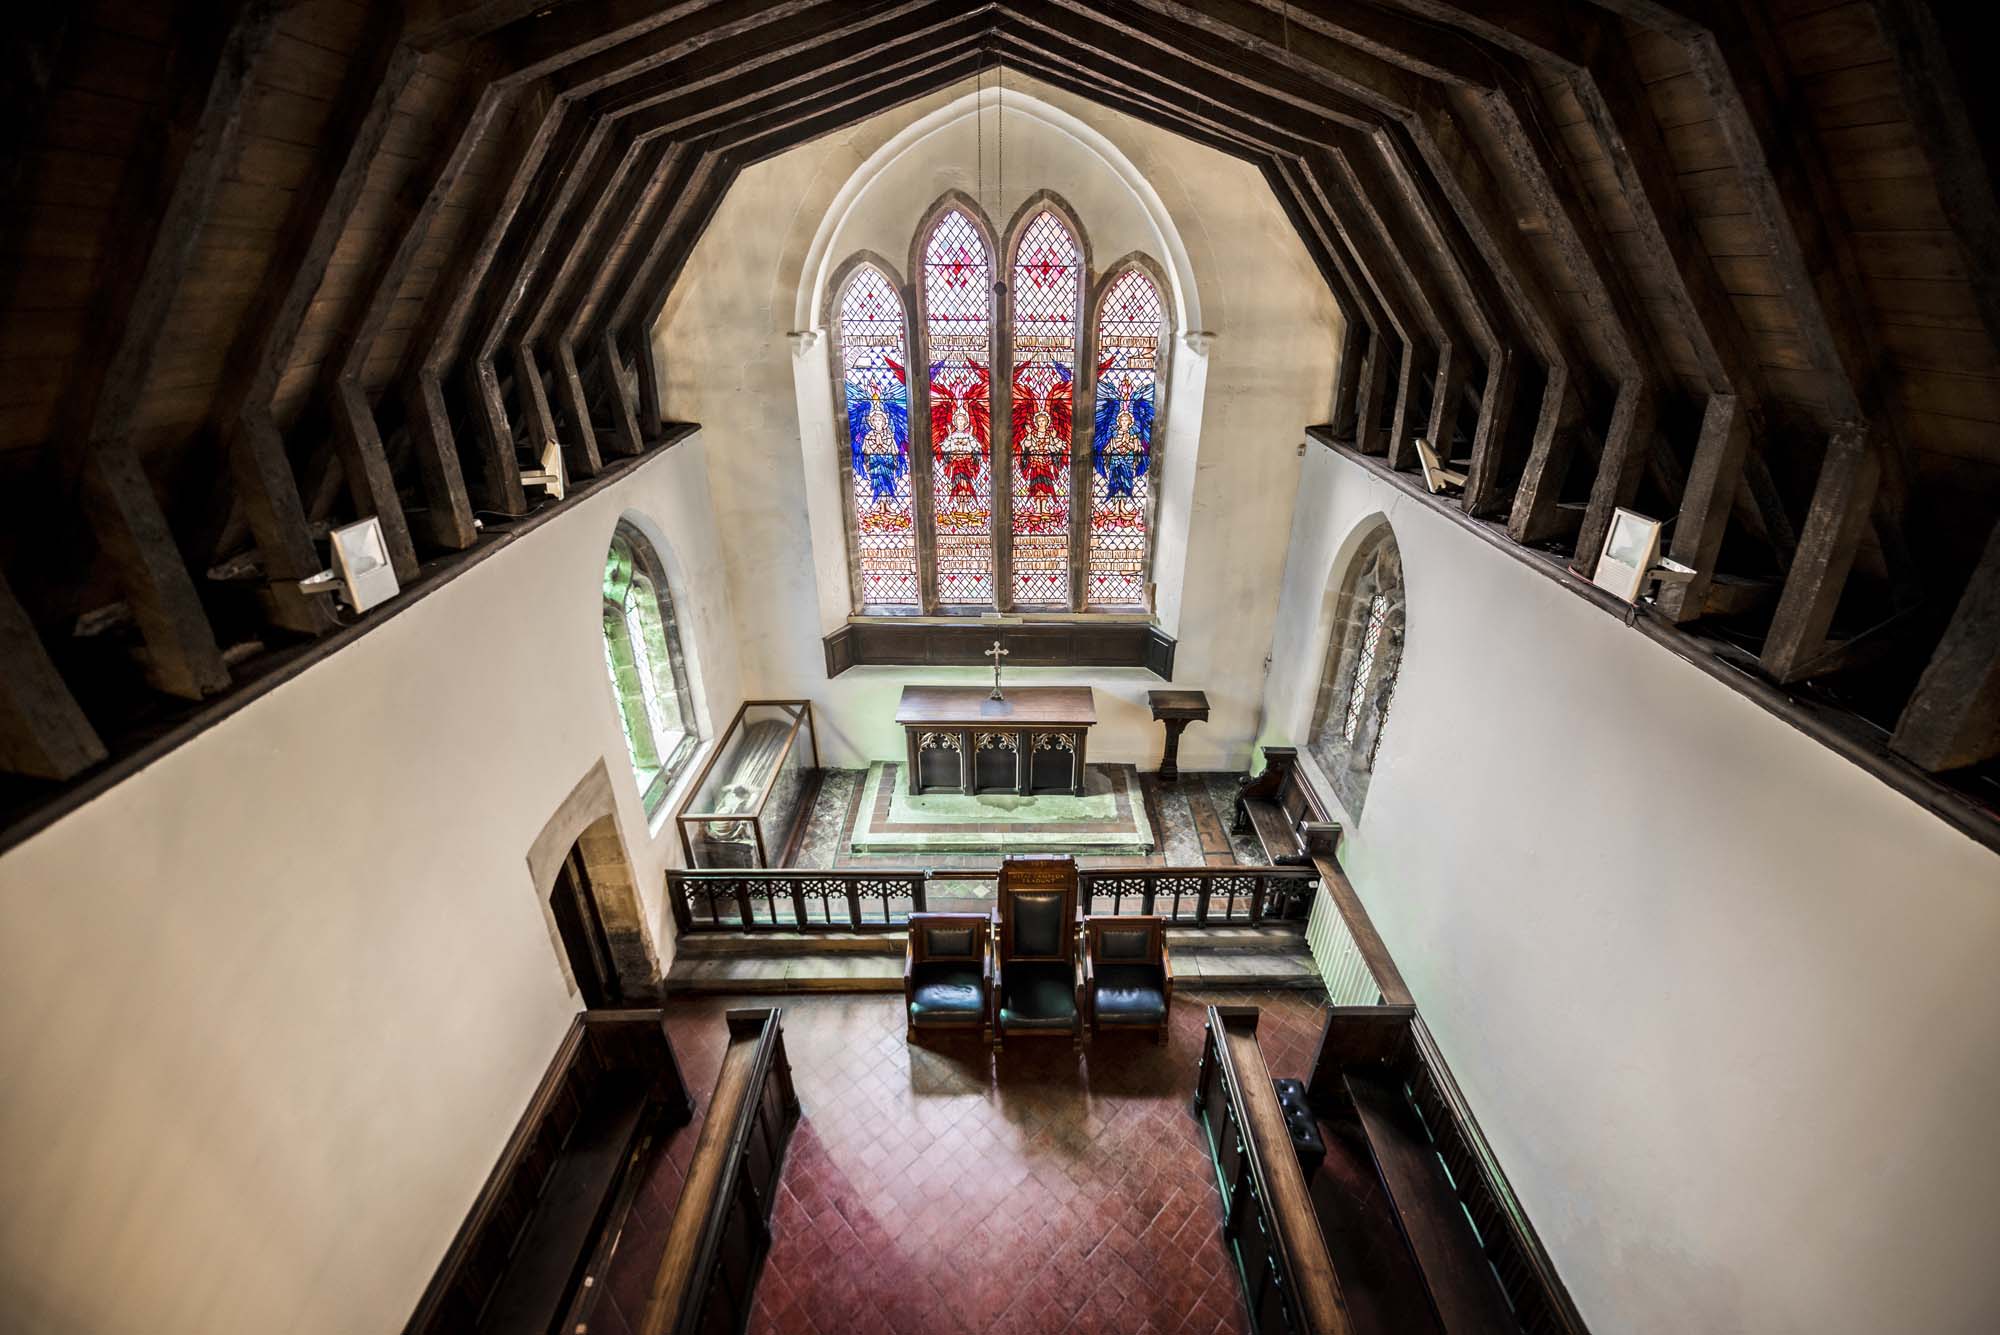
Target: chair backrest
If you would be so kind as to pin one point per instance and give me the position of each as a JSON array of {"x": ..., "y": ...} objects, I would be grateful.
[
  {"x": 1124, "y": 940},
  {"x": 1037, "y": 908},
  {"x": 947, "y": 937}
]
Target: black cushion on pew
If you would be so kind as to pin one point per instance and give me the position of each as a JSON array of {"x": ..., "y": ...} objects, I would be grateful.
[
  {"x": 555, "y": 1245},
  {"x": 1462, "y": 1285}
]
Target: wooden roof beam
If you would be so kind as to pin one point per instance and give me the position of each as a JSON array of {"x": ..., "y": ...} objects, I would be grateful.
[
  {"x": 43, "y": 733},
  {"x": 718, "y": 80},
  {"x": 321, "y": 208},
  {"x": 1953, "y": 718},
  {"x": 162, "y": 203}
]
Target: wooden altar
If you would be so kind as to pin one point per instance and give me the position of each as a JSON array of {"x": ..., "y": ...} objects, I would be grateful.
[{"x": 960, "y": 740}]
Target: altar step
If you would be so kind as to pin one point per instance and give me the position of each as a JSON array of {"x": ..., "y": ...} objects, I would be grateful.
[{"x": 1209, "y": 958}]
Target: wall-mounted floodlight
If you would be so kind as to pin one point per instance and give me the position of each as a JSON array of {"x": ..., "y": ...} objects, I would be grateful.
[
  {"x": 361, "y": 576},
  {"x": 1631, "y": 559},
  {"x": 1436, "y": 476},
  {"x": 550, "y": 476}
]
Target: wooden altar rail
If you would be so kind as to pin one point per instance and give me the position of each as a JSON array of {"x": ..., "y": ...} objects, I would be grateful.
[
  {"x": 1268, "y": 1221},
  {"x": 721, "y": 1229},
  {"x": 858, "y": 900}
]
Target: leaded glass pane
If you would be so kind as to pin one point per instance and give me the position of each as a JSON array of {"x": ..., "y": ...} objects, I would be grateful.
[
  {"x": 642, "y": 654},
  {"x": 875, "y": 384},
  {"x": 1048, "y": 284},
  {"x": 958, "y": 290},
  {"x": 1364, "y": 667},
  {"x": 650, "y": 655},
  {"x": 1129, "y": 329}
]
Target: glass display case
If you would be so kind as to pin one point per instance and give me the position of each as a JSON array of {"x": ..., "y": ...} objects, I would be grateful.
[{"x": 756, "y": 790}]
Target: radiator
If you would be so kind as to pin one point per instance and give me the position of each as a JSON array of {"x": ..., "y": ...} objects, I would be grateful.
[{"x": 1341, "y": 967}]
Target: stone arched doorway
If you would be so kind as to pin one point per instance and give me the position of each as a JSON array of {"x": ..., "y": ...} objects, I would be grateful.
[{"x": 590, "y": 898}]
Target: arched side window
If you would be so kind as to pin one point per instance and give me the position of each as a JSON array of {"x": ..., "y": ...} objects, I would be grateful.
[
  {"x": 875, "y": 391},
  {"x": 642, "y": 648},
  {"x": 958, "y": 328},
  {"x": 1047, "y": 314},
  {"x": 1364, "y": 653},
  {"x": 1131, "y": 324}
]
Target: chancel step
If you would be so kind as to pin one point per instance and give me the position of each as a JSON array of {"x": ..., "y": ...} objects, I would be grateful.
[{"x": 1235, "y": 957}]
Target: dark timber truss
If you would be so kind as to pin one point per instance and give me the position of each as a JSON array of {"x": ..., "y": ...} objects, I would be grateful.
[{"x": 273, "y": 266}]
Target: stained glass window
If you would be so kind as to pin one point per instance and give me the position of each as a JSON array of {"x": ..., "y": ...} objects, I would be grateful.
[
  {"x": 1048, "y": 285},
  {"x": 1129, "y": 329},
  {"x": 957, "y": 297},
  {"x": 876, "y": 387}
]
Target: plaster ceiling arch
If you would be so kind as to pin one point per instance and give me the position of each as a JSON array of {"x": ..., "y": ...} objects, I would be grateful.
[{"x": 820, "y": 259}]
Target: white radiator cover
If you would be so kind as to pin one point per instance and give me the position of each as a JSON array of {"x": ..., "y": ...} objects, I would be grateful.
[{"x": 1348, "y": 981}]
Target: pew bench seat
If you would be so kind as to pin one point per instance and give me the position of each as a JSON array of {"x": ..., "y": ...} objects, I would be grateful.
[
  {"x": 1459, "y": 1279},
  {"x": 546, "y": 1217},
  {"x": 558, "y": 1239}
]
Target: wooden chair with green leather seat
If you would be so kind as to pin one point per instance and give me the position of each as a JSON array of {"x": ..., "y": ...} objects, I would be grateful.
[
  {"x": 1037, "y": 976},
  {"x": 1128, "y": 978},
  {"x": 948, "y": 972}
]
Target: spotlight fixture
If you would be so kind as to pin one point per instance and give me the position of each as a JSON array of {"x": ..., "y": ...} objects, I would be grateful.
[
  {"x": 361, "y": 576},
  {"x": 1631, "y": 558},
  {"x": 550, "y": 476},
  {"x": 1436, "y": 476}
]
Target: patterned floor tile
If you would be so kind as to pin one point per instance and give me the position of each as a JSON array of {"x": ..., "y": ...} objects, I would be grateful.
[{"x": 943, "y": 1189}]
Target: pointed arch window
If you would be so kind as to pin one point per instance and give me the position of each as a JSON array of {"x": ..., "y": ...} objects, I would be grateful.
[
  {"x": 642, "y": 650},
  {"x": 1363, "y": 658},
  {"x": 1130, "y": 325},
  {"x": 958, "y": 332},
  {"x": 875, "y": 390},
  {"x": 1047, "y": 295},
  {"x": 939, "y": 525}
]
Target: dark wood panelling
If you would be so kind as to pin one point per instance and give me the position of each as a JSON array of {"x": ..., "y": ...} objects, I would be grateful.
[{"x": 889, "y": 643}]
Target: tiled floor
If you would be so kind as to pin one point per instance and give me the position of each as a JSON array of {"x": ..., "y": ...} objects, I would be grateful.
[
  {"x": 940, "y": 1189},
  {"x": 1190, "y": 818}
]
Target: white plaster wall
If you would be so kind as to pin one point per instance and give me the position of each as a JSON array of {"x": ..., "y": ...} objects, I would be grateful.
[
  {"x": 1723, "y": 1002},
  {"x": 727, "y": 364},
  {"x": 270, "y": 1008}
]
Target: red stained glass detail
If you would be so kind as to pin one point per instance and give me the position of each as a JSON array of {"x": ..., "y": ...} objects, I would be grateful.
[
  {"x": 958, "y": 293},
  {"x": 1048, "y": 288}
]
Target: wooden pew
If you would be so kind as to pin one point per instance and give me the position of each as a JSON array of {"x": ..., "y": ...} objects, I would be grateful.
[
  {"x": 1268, "y": 1219},
  {"x": 550, "y": 1209},
  {"x": 1380, "y": 1085},
  {"x": 1287, "y": 816},
  {"x": 721, "y": 1229}
]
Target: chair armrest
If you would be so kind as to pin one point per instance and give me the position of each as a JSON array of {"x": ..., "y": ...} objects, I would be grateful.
[{"x": 1166, "y": 971}]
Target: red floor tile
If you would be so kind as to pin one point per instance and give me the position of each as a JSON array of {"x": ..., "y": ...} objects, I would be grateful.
[{"x": 941, "y": 1188}]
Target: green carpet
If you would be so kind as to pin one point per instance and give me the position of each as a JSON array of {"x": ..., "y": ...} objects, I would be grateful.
[{"x": 1110, "y": 817}]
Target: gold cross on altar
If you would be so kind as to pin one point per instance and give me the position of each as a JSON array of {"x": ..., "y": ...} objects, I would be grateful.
[{"x": 996, "y": 653}]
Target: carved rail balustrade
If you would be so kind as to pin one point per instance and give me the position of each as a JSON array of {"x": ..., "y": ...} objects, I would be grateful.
[{"x": 858, "y": 900}]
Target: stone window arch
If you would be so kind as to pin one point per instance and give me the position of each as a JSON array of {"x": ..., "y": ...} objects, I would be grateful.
[
  {"x": 648, "y": 669},
  {"x": 1363, "y": 656}
]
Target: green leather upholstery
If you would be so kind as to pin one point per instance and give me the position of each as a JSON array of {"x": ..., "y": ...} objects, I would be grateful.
[
  {"x": 948, "y": 942},
  {"x": 1124, "y": 944},
  {"x": 948, "y": 991},
  {"x": 1038, "y": 994},
  {"x": 1038, "y": 924},
  {"x": 1130, "y": 993}
]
